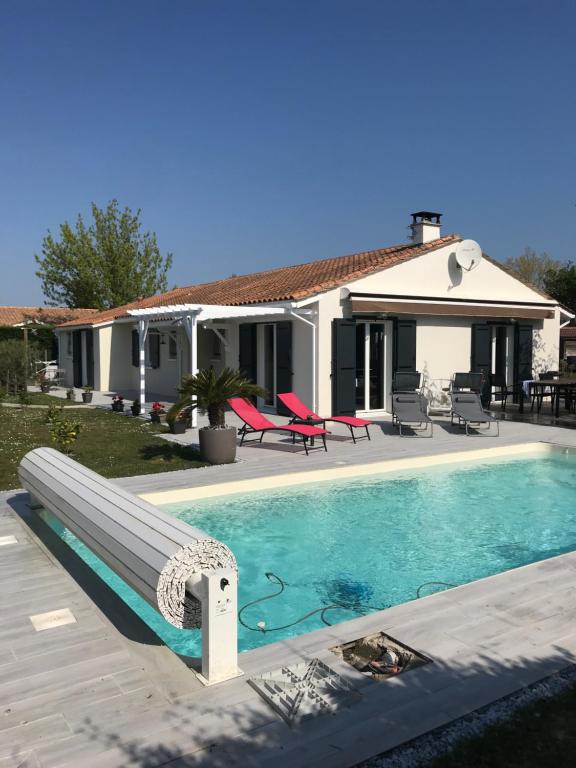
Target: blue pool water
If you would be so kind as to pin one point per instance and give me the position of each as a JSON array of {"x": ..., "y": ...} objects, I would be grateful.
[{"x": 370, "y": 543}]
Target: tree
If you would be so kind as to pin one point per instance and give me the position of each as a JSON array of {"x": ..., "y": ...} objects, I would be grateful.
[
  {"x": 561, "y": 283},
  {"x": 532, "y": 267},
  {"x": 105, "y": 264}
]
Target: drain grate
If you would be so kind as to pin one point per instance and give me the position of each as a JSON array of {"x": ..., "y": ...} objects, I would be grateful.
[{"x": 304, "y": 690}]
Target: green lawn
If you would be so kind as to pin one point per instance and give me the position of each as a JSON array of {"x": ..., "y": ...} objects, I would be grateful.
[
  {"x": 109, "y": 443},
  {"x": 542, "y": 735},
  {"x": 38, "y": 398}
]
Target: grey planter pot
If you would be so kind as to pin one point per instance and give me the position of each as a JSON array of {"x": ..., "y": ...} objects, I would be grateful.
[
  {"x": 87, "y": 397},
  {"x": 177, "y": 427},
  {"x": 218, "y": 446}
]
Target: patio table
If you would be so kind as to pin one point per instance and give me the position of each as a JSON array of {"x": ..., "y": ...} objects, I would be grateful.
[{"x": 555, "y": 387}]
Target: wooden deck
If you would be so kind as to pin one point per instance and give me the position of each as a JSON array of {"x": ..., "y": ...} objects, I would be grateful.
[{"x": 104, "y": 692}]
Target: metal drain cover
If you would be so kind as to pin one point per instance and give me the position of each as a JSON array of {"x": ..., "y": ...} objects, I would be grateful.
[{"x": 304, "y": 690}]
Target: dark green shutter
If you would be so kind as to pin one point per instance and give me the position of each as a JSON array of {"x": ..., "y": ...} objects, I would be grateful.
[
  {"x": 284, "y": 370},
  {"x": 77, "y": 357},
  {"x": 343, "y": 367},
  {"x": 247, "y": 358},
  {"x": 89, "y": 357},
  {"x": 154, "y": 349},
  {"x": 135, "y": 349},
  {"x": 404, "y": 346},
  {"x": 481, "y": 358},
  {"x": 523, "y": 353}
]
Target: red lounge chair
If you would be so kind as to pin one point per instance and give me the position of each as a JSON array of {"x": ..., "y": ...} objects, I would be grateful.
[
  {"x": 254, "y": 421},
  {"x": 302, "y": 412}
]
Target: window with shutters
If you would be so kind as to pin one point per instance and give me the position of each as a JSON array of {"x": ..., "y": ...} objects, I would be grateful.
[{"x": 152, "y": 350}]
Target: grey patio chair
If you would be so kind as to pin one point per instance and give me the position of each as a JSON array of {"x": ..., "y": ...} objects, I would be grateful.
[
  {"x": 467, "y": 381},
  {"x": 409, "y": 410},
  {"x": 406, "y": 381},
  {"x": 467, "y": 408}
]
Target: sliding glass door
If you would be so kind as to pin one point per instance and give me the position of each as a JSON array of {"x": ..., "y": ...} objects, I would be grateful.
[{"x": 372, "y": 367}]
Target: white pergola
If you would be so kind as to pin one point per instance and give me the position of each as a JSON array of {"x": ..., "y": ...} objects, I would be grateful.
[{"x": 191, "y": 314}]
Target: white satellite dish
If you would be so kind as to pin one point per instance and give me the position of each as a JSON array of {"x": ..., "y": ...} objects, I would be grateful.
[{"x": 468, "y": 255}]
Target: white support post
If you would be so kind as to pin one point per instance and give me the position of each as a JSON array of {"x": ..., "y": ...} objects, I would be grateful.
[
  {"x": 194, "y": 360},
  {"x": 314, "y": 361},
  {"x": 191, "y": 326},
  {"x": 142, "y": 334},
  {"x": 217, "y": 592}
]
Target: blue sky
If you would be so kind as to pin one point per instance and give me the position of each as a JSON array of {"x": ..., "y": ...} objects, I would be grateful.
[{"x": 254, "y": 134}]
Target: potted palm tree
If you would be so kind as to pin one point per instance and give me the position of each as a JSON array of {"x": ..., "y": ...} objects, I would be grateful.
[{"x": 209, "y": 392}]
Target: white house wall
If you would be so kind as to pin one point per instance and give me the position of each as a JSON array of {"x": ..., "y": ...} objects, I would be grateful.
[
  {"x": 102, "y": 354},
  {"x": 122, "y": 374},
  {"x": 302, "y": 359},
  {"x": 329, "y": 308},
  {"x": 435, "y": 274}
]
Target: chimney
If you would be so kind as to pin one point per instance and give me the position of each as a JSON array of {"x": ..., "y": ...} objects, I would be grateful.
[{"x": 425, "y": 227}]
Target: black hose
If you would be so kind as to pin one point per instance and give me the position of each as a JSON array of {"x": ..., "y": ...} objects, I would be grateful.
[
  {"x": 282, "y": 584},
  {"x": 429, "y": 583}
]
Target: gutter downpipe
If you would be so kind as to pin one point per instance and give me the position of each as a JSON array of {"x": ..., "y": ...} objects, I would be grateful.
[{"x": 314, "y": 331}]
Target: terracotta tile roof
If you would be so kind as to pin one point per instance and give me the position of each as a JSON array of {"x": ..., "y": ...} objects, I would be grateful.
[
  {"x": 569, "y": 332},
  {"x": 283, "y": 284},
  {"x": 49, "y": 315}
]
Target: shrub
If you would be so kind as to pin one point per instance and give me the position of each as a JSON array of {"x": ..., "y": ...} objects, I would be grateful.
[
  {"x": 64, "y": 433},
  {"x": 54, "y": 412},
  {"x": 24, "y": 396},
  {"x": 16, "y": 364}
]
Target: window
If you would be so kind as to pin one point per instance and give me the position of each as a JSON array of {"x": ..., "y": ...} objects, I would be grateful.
[
  {"x": 152, "y": 350},
  {"x": 217, "y": 344},
  {"x": 172, "y": 348}
]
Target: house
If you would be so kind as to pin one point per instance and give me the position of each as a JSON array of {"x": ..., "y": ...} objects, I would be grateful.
[
  {"x": 16, "y": 322},
  {"x": 333, "y": 330}
]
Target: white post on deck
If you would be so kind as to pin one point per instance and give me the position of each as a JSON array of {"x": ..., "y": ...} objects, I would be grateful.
[
  {"x": 191, "y": 326},
  {"x": 142, "y": 334},
  {"x": 218, "y": 595},
  {"x": 314, "y": 362}
]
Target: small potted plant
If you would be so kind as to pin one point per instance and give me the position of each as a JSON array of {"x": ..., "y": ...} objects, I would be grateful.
[
  {"x": 87, "y": 394},
  {"x": 179, "y": 421},
  {"x": 210, "y": 392},
  {"x": 135, "y": 408},
  {"x": 156, "y": 411},
  {"x": 70, "y": 394},
  {"x": 118, "y": 403}
]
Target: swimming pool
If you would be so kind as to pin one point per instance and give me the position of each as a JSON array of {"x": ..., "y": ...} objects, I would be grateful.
[{"x": 370, "y": 542}]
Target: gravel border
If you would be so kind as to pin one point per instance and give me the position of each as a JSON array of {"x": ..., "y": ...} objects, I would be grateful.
[{"x": 420, "y": 751}]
